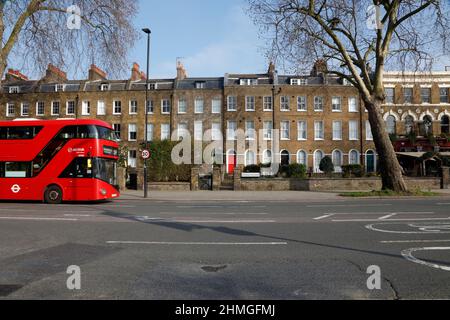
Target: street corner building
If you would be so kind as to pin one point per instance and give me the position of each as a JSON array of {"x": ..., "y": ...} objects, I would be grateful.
[{"x": 317, "y": 114}]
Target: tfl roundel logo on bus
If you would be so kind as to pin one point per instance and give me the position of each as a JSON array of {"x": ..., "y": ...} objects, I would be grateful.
[{"x": 15, "y": 188}]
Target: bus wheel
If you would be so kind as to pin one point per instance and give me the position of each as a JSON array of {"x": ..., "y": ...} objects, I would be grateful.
[{"x": 53, "y": 195}]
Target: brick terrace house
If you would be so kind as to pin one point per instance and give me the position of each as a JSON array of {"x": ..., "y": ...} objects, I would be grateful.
[{"x": 316, "y": 114}]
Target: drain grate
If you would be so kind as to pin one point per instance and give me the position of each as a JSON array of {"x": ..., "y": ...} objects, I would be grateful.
[{"x": 7, "y": 289}]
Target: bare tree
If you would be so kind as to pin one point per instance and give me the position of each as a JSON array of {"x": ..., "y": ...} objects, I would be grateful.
[
  {"x": 358, "y": 39},
  {"x": 67, "y": 33}
]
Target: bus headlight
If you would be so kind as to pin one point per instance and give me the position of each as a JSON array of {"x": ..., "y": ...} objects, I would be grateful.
[{"x": 103, "y": 192}]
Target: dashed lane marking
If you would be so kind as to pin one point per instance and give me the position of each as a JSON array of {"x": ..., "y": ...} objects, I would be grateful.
[{"x": 201, "y": 243}]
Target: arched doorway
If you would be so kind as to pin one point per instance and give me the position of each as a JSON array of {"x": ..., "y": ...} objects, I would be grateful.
[
  {"x": 231, "y": 161},
  {"x": 371, "y": 162},
  {"x": 285, "y": 158},
  {"x": 391, "y": 125}
]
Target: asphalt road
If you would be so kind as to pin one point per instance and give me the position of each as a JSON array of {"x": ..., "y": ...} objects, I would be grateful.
[{"x": 135, "y": 249}]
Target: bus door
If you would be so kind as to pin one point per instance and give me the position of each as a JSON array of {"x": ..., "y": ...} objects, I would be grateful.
[{"x": 78, "y": 177}]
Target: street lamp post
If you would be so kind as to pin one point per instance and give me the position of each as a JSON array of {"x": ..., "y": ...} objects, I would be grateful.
[{"x": 148, "y": 32}]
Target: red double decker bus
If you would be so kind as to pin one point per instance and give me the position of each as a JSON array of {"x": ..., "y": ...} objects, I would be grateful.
[{"x": 58, "y": 160}]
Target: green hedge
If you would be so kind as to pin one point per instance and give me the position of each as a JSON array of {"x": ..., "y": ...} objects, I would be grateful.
[
  {"x": 353, "y": 170},
  {"x": 160, "y": 165}
]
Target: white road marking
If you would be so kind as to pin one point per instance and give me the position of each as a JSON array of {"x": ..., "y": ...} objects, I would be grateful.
[
  {"x": 387, "y": 216},
  {"x": 373, "y": 220},
  {"x": 38, "y": 219},
  {"x": 179, "y": 220},
  {"x": 443, "y": 204},
  {"x": 324, "y": 217},
  {"x": 373, "y": 228},
  {"x": 202, "y": 243},
  {"x": 46, "y": 211},
  {"x": 78, "y": 215},
  {"x": 408, "y": 255},
  {"x": 219, "y": 213},
  {"x": 380, "y": 213},
  {"x": 414, "y": 241},
  {"x": 347, "y": 205}
]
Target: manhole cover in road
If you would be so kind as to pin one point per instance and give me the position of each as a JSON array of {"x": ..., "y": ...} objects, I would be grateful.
[
  {"x": 7, "y": 289},
  {"x": 213, "y": 268}
]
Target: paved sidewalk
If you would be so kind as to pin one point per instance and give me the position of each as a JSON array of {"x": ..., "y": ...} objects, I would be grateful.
[
  {"x": 272, "y": 196},
  {"x": 232, "y": 196}
]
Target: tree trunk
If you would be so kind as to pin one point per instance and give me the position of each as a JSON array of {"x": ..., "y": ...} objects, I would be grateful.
[{"x": 390, "y": 169}]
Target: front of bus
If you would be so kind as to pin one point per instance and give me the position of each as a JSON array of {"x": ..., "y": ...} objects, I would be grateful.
[{"x": 104, "y": 163}]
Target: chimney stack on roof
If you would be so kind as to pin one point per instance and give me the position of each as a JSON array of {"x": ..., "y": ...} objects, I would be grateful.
[
  {"x": 136, "y": 72},
  {"x": 15, "y": 75},
  {"x": 54, "y": 74},
  {"x": 181, "y": 71},
  {"x": 447, "y": 68},
  {"x": 320, "y": 68},
  {"x": 95, "y": 73}
]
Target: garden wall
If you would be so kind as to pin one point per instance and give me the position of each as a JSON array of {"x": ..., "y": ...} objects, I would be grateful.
[{"x": 324, "y": 184}]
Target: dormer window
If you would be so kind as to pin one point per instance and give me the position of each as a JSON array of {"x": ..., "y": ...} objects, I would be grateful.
[
  {"x": 152, "y": 86},
  {"x": 248, "y": 82},
  {"x": 14, "y": 89},
  {"x": 104, "y": 87},
  {"x": 200, "y": 85},
  {"x": 299, "y": 82},
  {"x": 59, "y": 87}
]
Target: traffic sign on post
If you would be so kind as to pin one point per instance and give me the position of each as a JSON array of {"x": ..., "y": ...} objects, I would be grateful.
[{"x": 145, "y": 154}]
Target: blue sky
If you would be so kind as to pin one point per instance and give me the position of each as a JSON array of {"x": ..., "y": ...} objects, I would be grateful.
[{"x": 212, "y": 37}]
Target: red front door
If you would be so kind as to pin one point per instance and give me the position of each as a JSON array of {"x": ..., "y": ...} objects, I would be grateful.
[{"x": 231, "y": 163}]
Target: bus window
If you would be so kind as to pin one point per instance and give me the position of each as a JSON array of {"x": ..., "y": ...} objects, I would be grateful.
[
  {"x": 68, "y": 133},
  {"x": 106, "y": 134},
  {"x": 87, "y": 132},
  {"x": 17, "y": 170},
  {"x": 79, "y": 168}
]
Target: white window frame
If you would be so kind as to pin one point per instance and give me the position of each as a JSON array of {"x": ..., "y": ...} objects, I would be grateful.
[
  {"x": 299, "y": 103},
  {"x": 60, "y": 87},
  {"x": 101, "y": 108},
  {"x": 317, "y": 103},
  {"x": 14, "y": 90},
  {"x": 268, "y": 130},
  {"x": 38, "y": 104},
  {"x": 52, "y": 108},
  {"x": 232, "y": 102},
  {"x": 249, "y": 103},
  {"x": 353, "y": 135},
  {"x": 117, "y": 103},
  {"x": 350, "y": 104},
  {"x": 166, "y": 135},
  {"x": 285, "y": 104},
  {"x": 339, "y": 109},
  {"x": 119, "y": 136},
  {"x": 231, "y": 132},
  {"x": 319, "y": 135},
  {"x": 132, "y": 161},
  {"x": 250, "y": 133},
  {"x": 130, "y": 107},
  {"x": 284, "y": 130},
  {"x": 165, "y": 103},
  {"x": 85, "y": 108},
  {"x": 199, "y": 105},
  {"x": 22, "y": 114},
  {"x": 267, "y": 101},
  {"x": 216, "y": 131},
  {"x": 305, "y": 131},
  {"x": 149, "y": 106},
  {"x": 130, "y": 125},
  {"x": 67, "y": 108},
  {"x": 8, "y": 113},
  {"x": 182, "y": 101},
  {"x": 216, "y": 105},
  {"x": 340, "y": 136}
]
